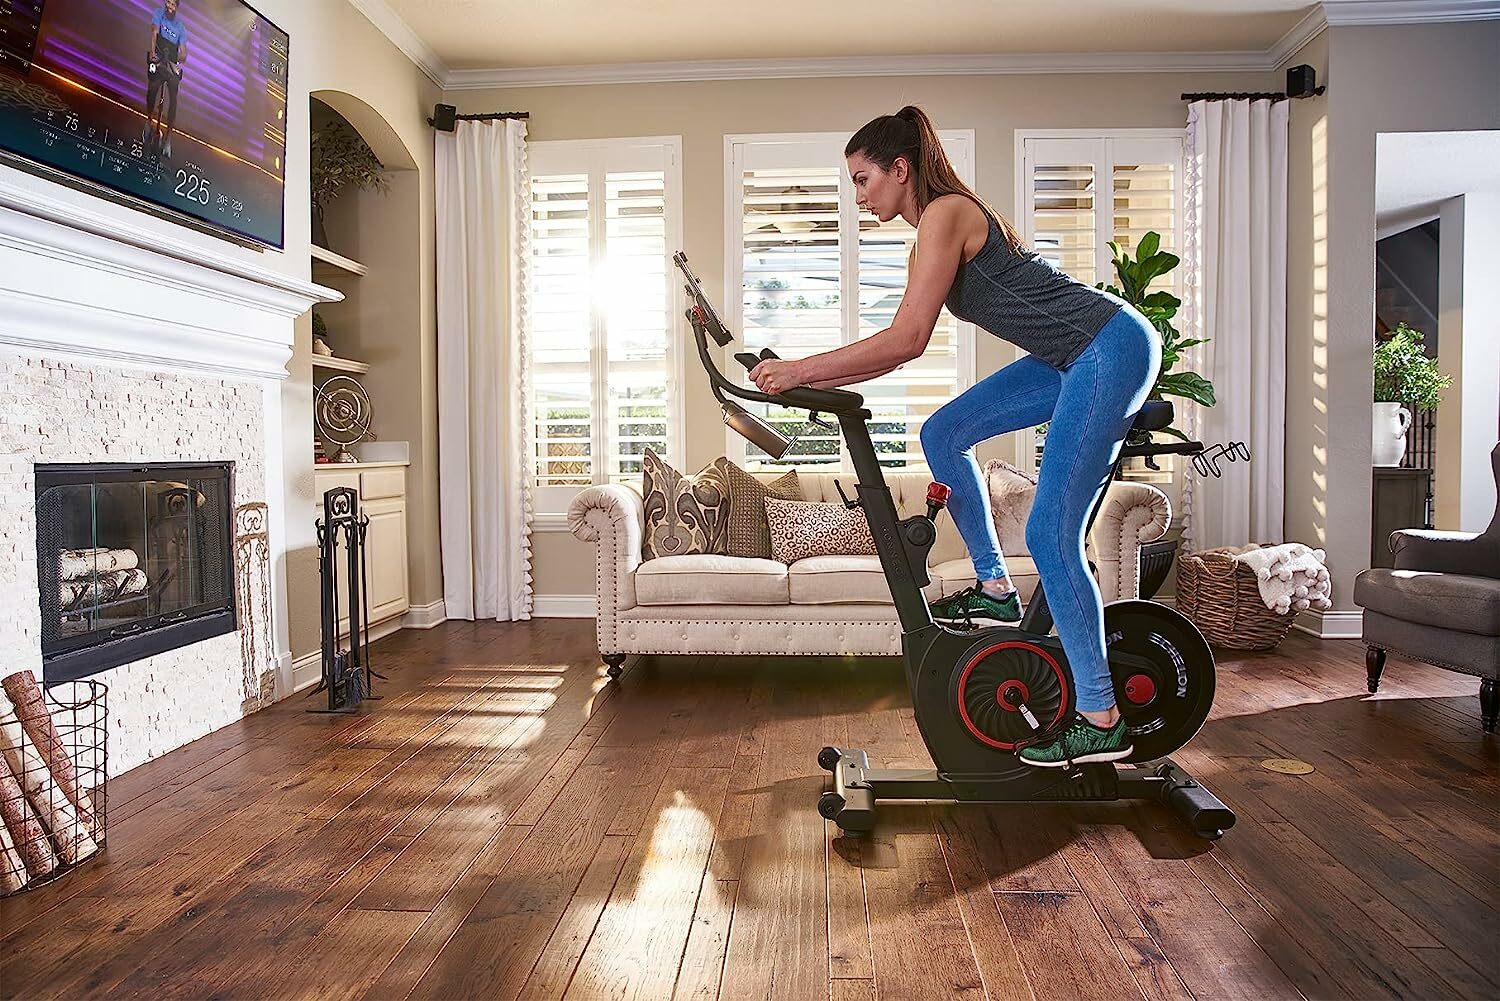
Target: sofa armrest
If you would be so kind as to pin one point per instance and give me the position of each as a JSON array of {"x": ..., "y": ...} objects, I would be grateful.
[
  {"x": 1445, "y": 552},
  {"x": 613, "y": 517},
  {"x": 1133, "y": 514}
]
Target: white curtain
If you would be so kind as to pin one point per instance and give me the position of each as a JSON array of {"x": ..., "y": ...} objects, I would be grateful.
[
  {"x": 1235, "y": 282},
  {"x": 484, "y": 421}
]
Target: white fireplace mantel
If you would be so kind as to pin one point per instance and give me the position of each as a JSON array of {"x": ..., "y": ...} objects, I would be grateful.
[
  {"x": 96, "y": 284},
  {"x": 135, "y": 315}
]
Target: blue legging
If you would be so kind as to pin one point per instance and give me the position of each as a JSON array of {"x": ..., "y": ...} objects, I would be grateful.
[{"x": 1090, "y": 404}]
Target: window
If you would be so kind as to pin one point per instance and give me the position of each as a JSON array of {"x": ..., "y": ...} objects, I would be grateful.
[
  {"x": 605, "y": 340},
  {"x": 813, "y": 274},
  {"x": 1059, "y": 180}
]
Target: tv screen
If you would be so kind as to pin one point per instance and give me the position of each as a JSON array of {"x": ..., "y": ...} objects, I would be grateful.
[{"x": 177, "y": 103}]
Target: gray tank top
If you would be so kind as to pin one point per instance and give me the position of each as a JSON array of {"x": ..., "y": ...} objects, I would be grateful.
[{"x": 1023, "y": 299}]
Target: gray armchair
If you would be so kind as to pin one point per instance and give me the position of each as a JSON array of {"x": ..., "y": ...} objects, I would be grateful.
[{"x": 1440, "y": 604}]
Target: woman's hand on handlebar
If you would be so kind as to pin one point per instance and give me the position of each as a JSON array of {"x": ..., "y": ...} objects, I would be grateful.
[{"x": 775, "y": 376}]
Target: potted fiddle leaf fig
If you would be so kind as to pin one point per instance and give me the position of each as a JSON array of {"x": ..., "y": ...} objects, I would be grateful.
[
  {"x": 1160, "y": 307},
  {"x": 1135, "y": 277}
]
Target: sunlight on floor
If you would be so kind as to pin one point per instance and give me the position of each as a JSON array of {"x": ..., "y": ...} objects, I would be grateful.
[{"x": 680, "y": 830}]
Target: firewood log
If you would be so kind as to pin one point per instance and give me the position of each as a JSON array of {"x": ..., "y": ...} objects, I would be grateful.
[
  {"x": 30, "y": 769},
  {"x": 26, "y": 829},
  {"x": 12, "y": 869},
  {"x": 26, "y": 695}
]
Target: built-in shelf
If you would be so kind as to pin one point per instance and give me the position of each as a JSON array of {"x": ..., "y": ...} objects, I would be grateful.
[
  {"x": 340, "y": 364},
  {"x": 327, "y": 264}
]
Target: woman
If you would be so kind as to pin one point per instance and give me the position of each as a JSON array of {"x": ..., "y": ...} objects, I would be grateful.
[{"x": 1092, "y": 362}]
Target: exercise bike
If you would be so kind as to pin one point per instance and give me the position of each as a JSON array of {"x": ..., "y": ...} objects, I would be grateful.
[{"x": 982, "y": 694}]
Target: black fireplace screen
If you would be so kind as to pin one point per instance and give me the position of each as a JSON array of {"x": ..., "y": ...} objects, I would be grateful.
[{"x": 133, "y": 560}]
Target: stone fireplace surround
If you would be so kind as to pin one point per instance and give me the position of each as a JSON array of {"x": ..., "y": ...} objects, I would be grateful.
[{"x": 123, "y": 339}]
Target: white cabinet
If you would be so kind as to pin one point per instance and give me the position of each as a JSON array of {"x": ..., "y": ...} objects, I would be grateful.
[{"x": 382, "y": 498}]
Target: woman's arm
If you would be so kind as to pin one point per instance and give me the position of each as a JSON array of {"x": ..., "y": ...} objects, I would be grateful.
[
  {"x": 938, "y": 254},
  {"x": 851, "y": 379}
]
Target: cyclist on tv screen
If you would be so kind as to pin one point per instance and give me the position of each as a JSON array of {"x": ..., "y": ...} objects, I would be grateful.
[{"x": 164, "y": 59}]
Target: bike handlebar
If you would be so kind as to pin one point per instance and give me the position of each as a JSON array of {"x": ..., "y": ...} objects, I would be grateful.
[{"x": 705, "y": 321}]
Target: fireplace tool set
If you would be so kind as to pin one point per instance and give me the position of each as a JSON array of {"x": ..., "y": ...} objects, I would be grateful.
[{"x": 347, "y": 675}]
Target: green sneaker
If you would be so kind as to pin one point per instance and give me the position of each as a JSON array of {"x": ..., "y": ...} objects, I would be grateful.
[
  {"x": 972, "y": 605},
  {"x": 1081, "y": 743}
]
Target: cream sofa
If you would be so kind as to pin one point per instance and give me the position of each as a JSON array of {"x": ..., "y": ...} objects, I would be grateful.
[{"x": 825, "y": 605}]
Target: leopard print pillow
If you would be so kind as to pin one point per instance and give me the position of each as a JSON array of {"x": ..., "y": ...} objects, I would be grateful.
[
  {"x": 685, "y": 515},
  {"x": 803, "y": 529}
]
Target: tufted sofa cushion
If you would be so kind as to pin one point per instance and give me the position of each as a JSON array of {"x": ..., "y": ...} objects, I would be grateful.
[{"x": 708, "y": 579}]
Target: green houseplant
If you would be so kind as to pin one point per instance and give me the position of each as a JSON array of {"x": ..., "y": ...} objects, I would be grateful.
[
  {"x": 341, "y": 158},
  {"x": 1135, "y": 277},
  {"x": 1404, "y": 376}
]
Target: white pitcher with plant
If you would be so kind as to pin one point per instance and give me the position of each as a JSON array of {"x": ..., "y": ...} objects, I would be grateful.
[{"x": 1404, "y": 375}]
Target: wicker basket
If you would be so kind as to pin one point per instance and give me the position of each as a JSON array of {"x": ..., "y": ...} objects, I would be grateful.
[{"x": 1222, "y": 597}]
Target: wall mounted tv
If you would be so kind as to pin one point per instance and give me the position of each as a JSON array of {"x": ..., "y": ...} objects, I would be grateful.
[{"x": 175, "y": 106}]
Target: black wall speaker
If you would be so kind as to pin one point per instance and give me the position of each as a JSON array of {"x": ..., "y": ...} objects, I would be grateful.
[
  {"x": 1302, "y": 81},
  {"x": 444, "y": 117}
]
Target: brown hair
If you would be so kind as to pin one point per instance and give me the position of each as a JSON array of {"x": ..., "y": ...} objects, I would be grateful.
[{"x": 910, "y": 133}]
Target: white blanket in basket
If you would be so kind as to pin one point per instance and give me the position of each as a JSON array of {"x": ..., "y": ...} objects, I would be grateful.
[{"x": 1291, "y": 576}]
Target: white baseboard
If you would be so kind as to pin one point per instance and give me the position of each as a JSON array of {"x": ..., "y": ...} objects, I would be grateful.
[
  {"x": 563, "y": 606},
  {"x": 284, "y": 675},
  {"x": 1334, "y": 624},
  {"x": 308, "y": 668},
  {"x": 425, "y": 616}
]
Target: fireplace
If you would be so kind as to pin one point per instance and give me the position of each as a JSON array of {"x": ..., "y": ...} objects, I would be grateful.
[{"x": 132, "y": 560}]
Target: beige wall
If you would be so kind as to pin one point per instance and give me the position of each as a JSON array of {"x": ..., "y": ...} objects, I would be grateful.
[
  {"x": 334, "y": 48},
  {"x": 703, "y": 113},
  {"x": 1414, "y": 78},
  {"x": 1306, "y": 514}
]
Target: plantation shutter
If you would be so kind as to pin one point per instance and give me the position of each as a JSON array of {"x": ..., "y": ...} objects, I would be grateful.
[
  {"x": 562, "y": 330},
  {"x": 605, "y": 220},
  {"x": 636, "y": 354},
  {"x": 1065, "y": 218},
  {"x": 790, "y": 290},
  {"x": 815, "y": 274}
]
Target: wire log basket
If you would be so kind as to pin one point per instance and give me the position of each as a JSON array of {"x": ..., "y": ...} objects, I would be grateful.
[{"x": 54, "y": 767}]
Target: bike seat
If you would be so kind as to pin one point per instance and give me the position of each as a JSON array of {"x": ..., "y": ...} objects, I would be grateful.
[{"x": 1154, "y": 416}]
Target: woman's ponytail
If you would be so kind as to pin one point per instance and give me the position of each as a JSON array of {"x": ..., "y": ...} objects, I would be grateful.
[{"x": 910, "y": 133}]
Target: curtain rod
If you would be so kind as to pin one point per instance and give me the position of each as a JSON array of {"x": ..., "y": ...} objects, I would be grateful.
[
  {"x": 444, "y": 116},
  {"x": 1239, "y": 96},
  {"x": 1301, "y": 81}
]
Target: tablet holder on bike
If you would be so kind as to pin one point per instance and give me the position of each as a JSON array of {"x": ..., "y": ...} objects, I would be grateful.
[{"x": 706, "y": 323}]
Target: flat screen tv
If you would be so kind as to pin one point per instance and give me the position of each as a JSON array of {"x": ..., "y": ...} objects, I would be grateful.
[{"x": 176, "y": 106}]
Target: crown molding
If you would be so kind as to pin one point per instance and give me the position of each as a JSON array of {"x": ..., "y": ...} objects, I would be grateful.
[
  {"x": 1319, "y": 17},
  {"x": 390, "y": 24},
  {"x": 1342, "y": 12},
  {"x": 855, "y": 66},
  {"x": 1291, "y": 43}
]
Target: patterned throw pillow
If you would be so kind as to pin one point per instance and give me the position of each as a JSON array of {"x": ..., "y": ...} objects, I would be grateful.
[
  {"x": 803, "y": 529},
  {"x": 1011, "y": 493},
  {"x": 685, "y": 515},
  {"x": 749, "y": 535}
]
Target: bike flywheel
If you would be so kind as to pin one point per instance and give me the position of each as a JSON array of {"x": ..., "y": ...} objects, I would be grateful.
[
  {"x": 1163, "y": 672},
  {"x": 1011, "y": 691}
]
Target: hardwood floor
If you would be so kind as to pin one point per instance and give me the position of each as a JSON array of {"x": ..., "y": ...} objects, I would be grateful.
[{"x": 507, "y": 824}]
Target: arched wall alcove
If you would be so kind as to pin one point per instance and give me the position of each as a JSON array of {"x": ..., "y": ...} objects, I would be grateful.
[{"x": 380, "y": 320}]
